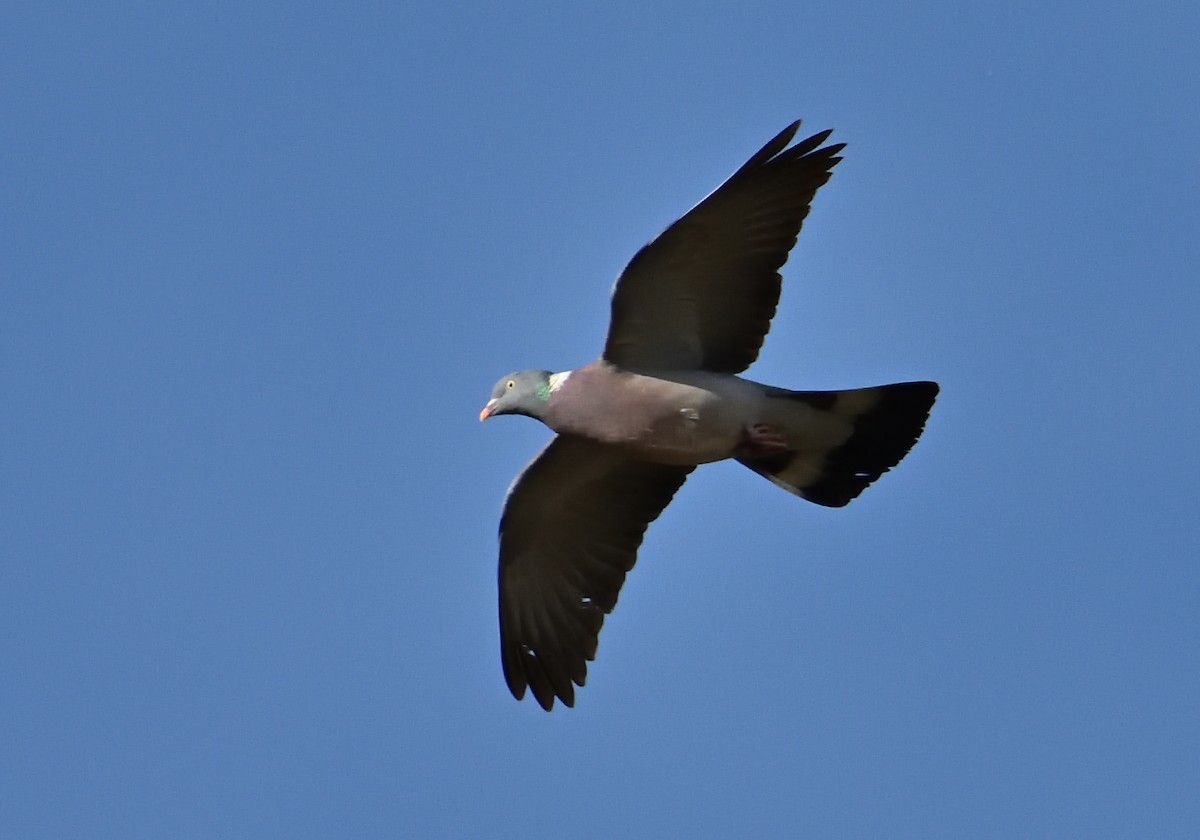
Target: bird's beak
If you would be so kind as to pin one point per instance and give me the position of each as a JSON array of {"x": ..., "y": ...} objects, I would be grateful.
[{"x": 487, "y": 410}]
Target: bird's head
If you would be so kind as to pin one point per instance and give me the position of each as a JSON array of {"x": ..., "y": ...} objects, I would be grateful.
[{"x": 524, "y": 392}]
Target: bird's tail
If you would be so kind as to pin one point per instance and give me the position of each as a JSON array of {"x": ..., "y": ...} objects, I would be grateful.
[{"x": 841, "y": 441}]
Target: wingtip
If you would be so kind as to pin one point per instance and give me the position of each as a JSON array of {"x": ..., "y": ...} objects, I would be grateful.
[
  {"x": 773, "y": 147},
  {"x": 546, "y": 699},
  {"x": 780, "y": 141},
  {"x": 520, "y": 682},
  {"x": 778, "y": 147}
]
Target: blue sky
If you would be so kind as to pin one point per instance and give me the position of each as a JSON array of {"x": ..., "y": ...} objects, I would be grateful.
[{"x": 261, "y": 264}]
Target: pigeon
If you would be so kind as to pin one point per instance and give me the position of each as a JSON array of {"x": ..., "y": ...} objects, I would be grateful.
[{"x": 689, "y": 312}]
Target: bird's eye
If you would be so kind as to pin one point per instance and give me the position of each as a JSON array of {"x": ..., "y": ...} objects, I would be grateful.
[{"x": 510, "y": 384}]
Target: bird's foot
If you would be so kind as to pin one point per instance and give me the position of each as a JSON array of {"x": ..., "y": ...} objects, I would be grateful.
[{"x": 761, "y": 440}]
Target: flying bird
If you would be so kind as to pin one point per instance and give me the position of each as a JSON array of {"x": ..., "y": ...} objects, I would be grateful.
[{"x": 689, "y": 313}]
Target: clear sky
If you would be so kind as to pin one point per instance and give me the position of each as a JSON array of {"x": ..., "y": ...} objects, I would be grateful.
[{"x": 260, "y": 265}]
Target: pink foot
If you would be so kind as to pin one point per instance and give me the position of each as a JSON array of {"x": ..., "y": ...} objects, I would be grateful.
[{"x": 763, "y": 440}]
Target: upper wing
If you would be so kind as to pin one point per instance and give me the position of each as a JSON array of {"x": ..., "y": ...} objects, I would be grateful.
[
  {"x": 702, "y": 295},
  {"x": 572, "y": 524}
]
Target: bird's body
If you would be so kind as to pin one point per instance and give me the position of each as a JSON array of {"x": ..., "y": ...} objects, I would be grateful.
[
  {"x": 684, "y": 418},
  {"x": 689, "y": 313}
]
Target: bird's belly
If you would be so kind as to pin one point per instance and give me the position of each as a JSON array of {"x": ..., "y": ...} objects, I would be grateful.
[{"x": 695, "y": 433}]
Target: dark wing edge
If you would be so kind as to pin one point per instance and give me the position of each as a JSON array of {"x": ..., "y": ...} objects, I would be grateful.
[
  {"x": 572, "y": 524},
  {"x": 703, "y": 293}
]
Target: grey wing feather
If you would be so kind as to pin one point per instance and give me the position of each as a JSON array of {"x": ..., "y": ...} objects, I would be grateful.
[
  {"x": 701, "y": 296},
  {"x": 572, "y": 524}
]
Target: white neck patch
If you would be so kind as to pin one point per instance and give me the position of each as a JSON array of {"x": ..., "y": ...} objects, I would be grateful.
[{"x": 557, "y": 380}]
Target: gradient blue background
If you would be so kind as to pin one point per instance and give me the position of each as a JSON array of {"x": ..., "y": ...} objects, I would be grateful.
[{"x": 261, "y": 264}]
